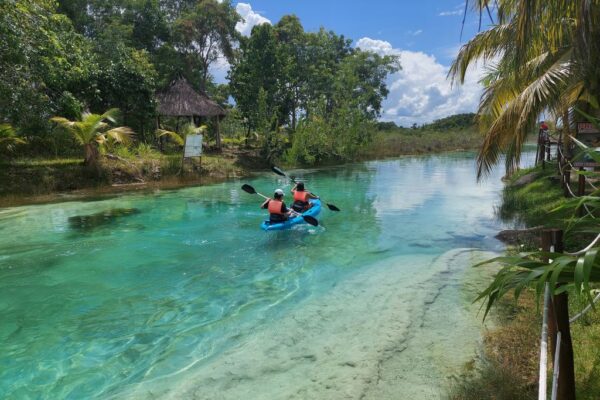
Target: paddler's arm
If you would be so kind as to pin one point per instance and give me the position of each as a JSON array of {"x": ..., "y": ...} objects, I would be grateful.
[
  {"x": 265, "y": 204},
  {"x": 285, "y": 210}
]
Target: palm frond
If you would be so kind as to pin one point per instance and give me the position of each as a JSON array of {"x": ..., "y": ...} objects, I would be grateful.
[
  {"x": 9, "y": 137},
  {"x": 484, "y": 46},
  {"x": 111, "y": 115},
  {"x": 170, "y": 134},
  {"x": 121, "y": 134},
  {"x": 65, "y": 123},
  {"x": 529, "y": 270}
]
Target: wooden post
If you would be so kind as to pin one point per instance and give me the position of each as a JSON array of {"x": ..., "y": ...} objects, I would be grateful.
[
  {"x": 543, "y": 155},
  {"x": 160, "y": 139},
  {"x": 537, "y": 150},
  {"x": 566, "y": 377},
  {"x": 218, "y": 135},
  {"x": 559, "y": 158},
  {"x": 581, "y": 183},
  {"x": 560, "y": 309},
  {"x": 581, "y": 191},
  {"x": 552, "y": 325}
]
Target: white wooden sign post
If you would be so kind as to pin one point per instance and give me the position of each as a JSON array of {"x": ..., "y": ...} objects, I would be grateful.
[{"x": 192, "y": 148}]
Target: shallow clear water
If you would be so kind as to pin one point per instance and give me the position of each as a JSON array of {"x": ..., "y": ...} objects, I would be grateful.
[{"x": 104, "y": 298}]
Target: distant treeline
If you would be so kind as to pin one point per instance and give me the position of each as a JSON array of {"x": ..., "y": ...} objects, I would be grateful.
[{"x": 453, "y": 122}]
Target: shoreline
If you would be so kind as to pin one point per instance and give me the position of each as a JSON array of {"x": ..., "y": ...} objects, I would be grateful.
[
  {"x": 174, "y": 182},
  {"x": 108, "y": 191}
]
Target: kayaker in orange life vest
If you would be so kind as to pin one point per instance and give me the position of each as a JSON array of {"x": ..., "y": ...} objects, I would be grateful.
[
  {"x": 278, "y": 212},
  {"x": 301, "y": 197}
]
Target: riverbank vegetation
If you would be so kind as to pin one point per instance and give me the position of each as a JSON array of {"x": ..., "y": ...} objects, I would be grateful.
[
  {"x": 531, "y": 72},
  {"x": 457, "y": 132},
  {"x": 508, "y": 368},
  {"x": 80, "y": 80},
  {"x": 509, "y": 365}
]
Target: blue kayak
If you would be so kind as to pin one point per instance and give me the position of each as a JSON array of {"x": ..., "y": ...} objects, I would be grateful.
[{"x": 279, "y": 226}]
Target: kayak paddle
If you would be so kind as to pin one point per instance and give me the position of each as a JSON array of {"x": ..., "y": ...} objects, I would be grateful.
[
  {"x": 278, "y": 171},
  {"x": 249, "y": 189},
  {"x": 307, "y": 218}
]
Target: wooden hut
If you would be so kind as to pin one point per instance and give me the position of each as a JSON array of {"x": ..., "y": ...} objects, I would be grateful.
[{"x": 181, "y": 100}]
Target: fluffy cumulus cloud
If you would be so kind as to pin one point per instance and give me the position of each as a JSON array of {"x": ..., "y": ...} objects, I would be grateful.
[
  {"x": 250, "y": 19},
  {"x": 420, "y": 92}
]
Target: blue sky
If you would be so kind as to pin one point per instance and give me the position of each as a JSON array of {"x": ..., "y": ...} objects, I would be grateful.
[
  {"x": 410, "y": 25},
  {"x": 425, "y": 35}
]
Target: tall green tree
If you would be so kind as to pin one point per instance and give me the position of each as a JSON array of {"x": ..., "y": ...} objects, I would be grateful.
[
  {"x": 257, "y": 68},
  {"x": 207, "y": 32},
  {"x": 126, "y": 80},
  {"x": 291, "y": 55}
]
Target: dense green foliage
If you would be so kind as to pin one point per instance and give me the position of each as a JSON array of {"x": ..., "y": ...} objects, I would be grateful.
[
  {"x": 66, "y": 57},
  {"x": 306, "y": 96},
  {"x": 44, "y": 64},
  {"x": 326, "y": 93}
]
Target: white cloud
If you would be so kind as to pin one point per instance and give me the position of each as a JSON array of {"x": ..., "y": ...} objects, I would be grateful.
[
  {"x": 450, "y": 13},
  {"x": 250, "y": 19},
  {"x": 420, "y": 92},
  {"x": 415, "y": 33}
]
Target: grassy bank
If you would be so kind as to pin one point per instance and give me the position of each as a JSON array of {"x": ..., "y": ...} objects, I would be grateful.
[
  {"x": 31, "y": 178},
  {"x": 509, "y": 367},
  {"x": 531, "y": 195},
  {"x": 392, "y": 143}
]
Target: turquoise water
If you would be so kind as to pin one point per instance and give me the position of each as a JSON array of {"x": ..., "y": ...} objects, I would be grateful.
[{"x": 111, "y": 297}]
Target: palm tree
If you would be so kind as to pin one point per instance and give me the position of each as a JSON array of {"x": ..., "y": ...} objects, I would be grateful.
[
  {"x": 8, "y": 137},
  {"x": 93, "y": 131},
  {"x": 542, "y": 55}
]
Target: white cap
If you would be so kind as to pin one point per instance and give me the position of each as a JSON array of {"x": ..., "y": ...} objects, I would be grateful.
[{"x": 279, "y": 192}]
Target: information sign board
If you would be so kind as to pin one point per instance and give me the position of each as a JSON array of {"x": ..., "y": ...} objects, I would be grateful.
[{"x": 193, "y": 146}]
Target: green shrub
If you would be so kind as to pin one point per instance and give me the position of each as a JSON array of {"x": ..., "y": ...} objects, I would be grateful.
[
  {"x": 145, "y": 150},
  {"x": 122, "y": 151}
]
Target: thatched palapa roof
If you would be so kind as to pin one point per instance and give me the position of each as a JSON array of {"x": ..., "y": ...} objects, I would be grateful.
[{"x": 181, "y": 100}]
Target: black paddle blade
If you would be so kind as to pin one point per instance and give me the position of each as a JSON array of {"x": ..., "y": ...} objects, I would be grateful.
[
  {"x": 277, "y": 171},
  {"x": 310, "y": 220},
  {"x": 248, "y": 189},
  {"x": 332, "y": 207}
]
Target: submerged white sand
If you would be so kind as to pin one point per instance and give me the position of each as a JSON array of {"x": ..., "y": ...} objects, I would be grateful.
[{"x": 387, "y": 332}]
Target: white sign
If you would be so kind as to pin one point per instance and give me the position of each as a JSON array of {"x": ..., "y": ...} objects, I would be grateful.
[{"x": 193, "y": 146}]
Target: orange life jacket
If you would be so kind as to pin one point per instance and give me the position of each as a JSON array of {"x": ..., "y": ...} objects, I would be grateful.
[
  {"x": 275, "y": 207},
  {"x": 301, "y": 196}
]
